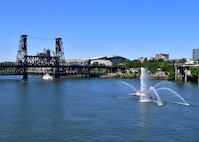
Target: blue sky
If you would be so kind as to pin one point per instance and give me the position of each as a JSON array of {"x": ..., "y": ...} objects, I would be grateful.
[{"x": 90, "y": 28}]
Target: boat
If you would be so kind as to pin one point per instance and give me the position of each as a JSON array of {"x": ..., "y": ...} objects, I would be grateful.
[
  {"x": 143, "y": 94},
  {"x": 47, "y": 77}
]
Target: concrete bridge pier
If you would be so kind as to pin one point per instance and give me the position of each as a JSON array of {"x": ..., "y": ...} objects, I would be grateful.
[
  {"x": 181, "y": 74},
  {"x": 185, "y": 74},
  {"x": 176, "y": 73}
]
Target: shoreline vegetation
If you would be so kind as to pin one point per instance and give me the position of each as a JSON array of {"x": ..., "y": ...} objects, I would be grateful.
[{"x": 135, "y": 76}]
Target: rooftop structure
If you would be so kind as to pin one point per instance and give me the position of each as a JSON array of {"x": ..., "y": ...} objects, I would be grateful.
[
  {"x": 163, "y": 56},
  {"x": 108, "y": 60},
  {"x": 142, "y": 59},
  {"x": 45, "y": 53}
]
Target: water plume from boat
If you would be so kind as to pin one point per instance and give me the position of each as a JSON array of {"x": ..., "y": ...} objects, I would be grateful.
[{"x": 151, "y": 94}]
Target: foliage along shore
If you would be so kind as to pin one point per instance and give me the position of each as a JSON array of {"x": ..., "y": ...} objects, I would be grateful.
[{"x": 135, "y": 76}]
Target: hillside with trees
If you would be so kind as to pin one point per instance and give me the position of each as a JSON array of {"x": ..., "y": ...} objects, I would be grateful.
[{"x": 153, "y": 67}]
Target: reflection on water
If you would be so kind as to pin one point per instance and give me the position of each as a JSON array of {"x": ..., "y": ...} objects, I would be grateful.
[{"x": 92, "y": 110}]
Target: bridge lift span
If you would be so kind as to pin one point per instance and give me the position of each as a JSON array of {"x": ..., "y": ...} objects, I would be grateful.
[
  {"x": 24, "y": 59},
  {"x": 56, "y": 63},
  {"x": 22, "y": 50}
]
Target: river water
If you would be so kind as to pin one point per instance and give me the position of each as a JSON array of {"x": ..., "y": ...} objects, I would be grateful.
[{"x": 94, "y": 109}]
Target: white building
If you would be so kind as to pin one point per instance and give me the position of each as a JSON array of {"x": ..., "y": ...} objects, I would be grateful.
[{"x": 107, "y": 60}]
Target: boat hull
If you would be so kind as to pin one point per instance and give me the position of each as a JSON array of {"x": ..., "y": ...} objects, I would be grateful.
[{"x": 47, "y": 77}]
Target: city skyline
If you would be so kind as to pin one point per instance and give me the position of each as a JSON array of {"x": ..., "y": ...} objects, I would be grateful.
[{"x": 92, "y": 28}]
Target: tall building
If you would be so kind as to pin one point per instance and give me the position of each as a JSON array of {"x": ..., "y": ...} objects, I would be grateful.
[
  {"x": 195, "y": 54},
  {"x": 163, "y": 56}
]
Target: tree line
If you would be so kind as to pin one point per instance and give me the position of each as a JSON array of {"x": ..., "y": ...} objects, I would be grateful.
[{"x": 166, "y": 66}]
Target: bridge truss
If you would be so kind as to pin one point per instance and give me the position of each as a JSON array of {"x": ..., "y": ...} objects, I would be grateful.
[{"x": 56, "y": 63}]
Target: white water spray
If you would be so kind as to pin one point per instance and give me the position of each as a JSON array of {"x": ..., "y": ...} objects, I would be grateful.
[
  {"x": 159, "y": 102},
  {"x": 162, "y": 82},
  {"x": 129, "y": 85},
  {"x": 143, "y": 79},
  {"x": 175, "y": 93},
  {"x": 145, "y": 94}
]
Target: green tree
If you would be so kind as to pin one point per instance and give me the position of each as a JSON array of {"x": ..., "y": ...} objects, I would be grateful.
[
  {"x": 153, "y": 66},
  {"x": 183, "y": 60},
  {"x": 195, "y": 73},
  {"x": 127, "y": 64},
  {"x": 136, "y": 64}
]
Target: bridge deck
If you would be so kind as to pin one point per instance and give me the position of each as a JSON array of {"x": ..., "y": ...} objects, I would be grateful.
[{"x": 60, "y": 70}]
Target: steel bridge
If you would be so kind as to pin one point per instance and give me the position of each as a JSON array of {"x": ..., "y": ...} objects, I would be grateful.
[{"x": 28, "y": 64}]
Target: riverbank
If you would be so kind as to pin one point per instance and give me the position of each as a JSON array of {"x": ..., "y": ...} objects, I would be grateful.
[{"x": 136, "y": 76}]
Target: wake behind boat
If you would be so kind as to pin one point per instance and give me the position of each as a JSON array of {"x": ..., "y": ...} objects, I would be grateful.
[{"x": 23, "y": 81}]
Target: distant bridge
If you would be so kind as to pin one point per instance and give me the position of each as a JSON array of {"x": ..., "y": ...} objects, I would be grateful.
[
  {"x": 181, "y": 71},
  {"x": 55, "y": 64}
]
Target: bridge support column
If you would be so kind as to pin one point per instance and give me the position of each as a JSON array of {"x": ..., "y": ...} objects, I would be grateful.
[
  {"x": 57, "y": 75},
  {"x": 185, "y": 75},
  {"x": 25, "y": 74},
  {"x": 198, "y": 79},
  {"x": 176, "y": 73},
  {"x": 57, "y": 72}
]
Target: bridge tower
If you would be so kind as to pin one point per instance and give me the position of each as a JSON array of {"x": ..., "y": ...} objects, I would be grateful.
[
  {"x": 21, "y": 55},
  {"x": 59, "y": 53},
  {"x": 22, "y": 51},
  {"x": 59, "y": 50}
]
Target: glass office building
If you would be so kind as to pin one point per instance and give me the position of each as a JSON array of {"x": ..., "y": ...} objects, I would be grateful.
[{"x": 195, "y": 54}]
